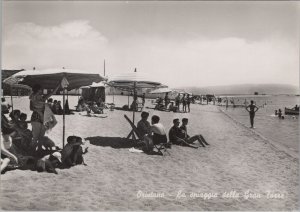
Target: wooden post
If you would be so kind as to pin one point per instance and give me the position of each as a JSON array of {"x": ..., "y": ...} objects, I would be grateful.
[{"x": 64, "y": 118}]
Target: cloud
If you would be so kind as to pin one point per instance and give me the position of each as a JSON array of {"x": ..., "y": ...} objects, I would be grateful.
[
  {"x": 68, "y": 44},
  {"x": 196, "y": 62},
  {"x": 202, "y": 62}
]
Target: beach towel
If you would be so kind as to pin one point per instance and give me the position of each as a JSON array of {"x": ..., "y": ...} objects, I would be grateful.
[
  {"x": 135, "y": 150},
  {"x": 49, "y": 118}
]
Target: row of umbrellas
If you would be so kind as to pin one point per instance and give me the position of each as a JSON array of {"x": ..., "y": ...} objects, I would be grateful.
[{"x": 73, "y": 79}]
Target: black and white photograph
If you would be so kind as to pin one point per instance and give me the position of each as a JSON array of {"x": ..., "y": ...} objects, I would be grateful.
[{"x": 149, "y": 105}]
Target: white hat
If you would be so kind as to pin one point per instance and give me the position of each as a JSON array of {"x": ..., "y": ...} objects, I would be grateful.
[{"x": 57, "y": 155}]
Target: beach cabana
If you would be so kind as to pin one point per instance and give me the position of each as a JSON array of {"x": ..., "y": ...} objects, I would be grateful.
[
  {"x": 49, "y": 79},
  {"x": 94, "y": 92}
]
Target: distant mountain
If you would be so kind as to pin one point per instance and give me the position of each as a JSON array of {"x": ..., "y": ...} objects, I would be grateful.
[{"x": 244, "y": 89}]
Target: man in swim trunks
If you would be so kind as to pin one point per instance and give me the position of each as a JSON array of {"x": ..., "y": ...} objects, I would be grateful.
[
  {"x": 252, "y": 110},
  {"x": 175, "y": 135}
]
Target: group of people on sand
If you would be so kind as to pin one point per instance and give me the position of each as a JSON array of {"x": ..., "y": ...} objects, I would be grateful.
[
  {"x": 55, "y": 106},
  {"x": 155, "y": 133},
  {"x": 185, "y": 101},
  {"x": 95, "y": 107},
  {"x": 24, "y": 148},
  {"x": 165, "y": 104}
]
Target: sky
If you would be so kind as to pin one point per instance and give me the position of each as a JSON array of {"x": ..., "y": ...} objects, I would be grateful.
[{"x": 180, "y": 43}]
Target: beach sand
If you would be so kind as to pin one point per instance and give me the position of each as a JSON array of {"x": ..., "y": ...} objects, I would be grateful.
[{"x": 237, "y": 160}]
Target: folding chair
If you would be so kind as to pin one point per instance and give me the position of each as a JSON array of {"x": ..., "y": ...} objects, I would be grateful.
[{"x": 134, "y": 131}]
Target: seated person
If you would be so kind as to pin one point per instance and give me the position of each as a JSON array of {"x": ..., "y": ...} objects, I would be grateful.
[
  {"x": 154, "y": 135},
  {"x": 59, "y": 109},
  {"x": 175, "y": 134},
  {"x": 159, "y": 134},
  {"x": 143, "y": 126},
  {"x": 50, "y": 102},
  {"x": 4, "y": 106},
  {"x": 96, "y": 109},
  {"x": 134, "y": 105},
  {"x": 72, "y": 153},
  {"x": 6, "y": 156},
  {"x": 23, "y": 124},
  {"x": 189, "y": 139},
  {"x": 54, "y": 107},
  {"x": 49, "y": 163}
]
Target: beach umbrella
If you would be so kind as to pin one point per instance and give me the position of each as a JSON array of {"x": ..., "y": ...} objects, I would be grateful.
[
  {"x": 132, "y": 81},
  {"x": 48, "y": 78},
  {"x": 18, "y": 87},
  {"x": 161, "y": 90}
]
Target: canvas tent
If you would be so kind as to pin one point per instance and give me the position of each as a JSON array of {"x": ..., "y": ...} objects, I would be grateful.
[{"x": 94, "y": 92}]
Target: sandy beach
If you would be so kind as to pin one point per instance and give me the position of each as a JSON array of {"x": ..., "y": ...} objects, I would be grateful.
[{"x": 238, "y": 171}]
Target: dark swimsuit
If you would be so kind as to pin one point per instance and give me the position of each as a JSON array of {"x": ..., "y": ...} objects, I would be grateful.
[{"x": 158, "y": 139}]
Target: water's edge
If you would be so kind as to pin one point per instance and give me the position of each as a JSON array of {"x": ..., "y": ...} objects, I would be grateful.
[{"x": 273, "y": 144}]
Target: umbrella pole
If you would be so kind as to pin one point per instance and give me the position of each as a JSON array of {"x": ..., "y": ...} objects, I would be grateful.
[
  {"x": 134, "y": 99},
  {"x": 64, "y": 118},
  {"x": 11, "y": 99},
  {"x": 128, "y": 99},
  {"x": 113, "y": 96}
]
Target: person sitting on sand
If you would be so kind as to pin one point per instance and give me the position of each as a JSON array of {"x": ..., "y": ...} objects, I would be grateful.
[
  {"x": 6, "y": 155},
  {"x": 134, "y": 104},
  {"x": 48, "y": 163},
  {"x": 252, "y": 110},
  {"x": 96, "y": 109},
  {"x": 72, "y": 153},
  {"x": 187, "y": 138},
  {"x": 59, "y": 109},
  {"x": 4, "y": 106},
  {"x": 175, "y": 135},
  {"x": 27, "y": 134},
  {"x": 50, "y": 102}
]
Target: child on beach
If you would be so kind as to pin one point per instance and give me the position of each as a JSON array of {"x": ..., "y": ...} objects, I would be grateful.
[
  {"x": 49, "y": 163},
  {"x": 72, "y": 153}
]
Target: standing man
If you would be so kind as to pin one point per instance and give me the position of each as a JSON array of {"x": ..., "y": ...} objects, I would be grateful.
[
  {"x": 143, "y": 99},
  {"x": 252, "y": 110},
  {"x": 167, "y": 100},
  {"x": 188, "y": 102},
  {"x": 177, "y": 101},
  {"x": 183, "y": 100}
]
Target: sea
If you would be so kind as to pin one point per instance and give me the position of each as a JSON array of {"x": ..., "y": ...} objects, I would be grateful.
[{"x": 283, "y": 133}]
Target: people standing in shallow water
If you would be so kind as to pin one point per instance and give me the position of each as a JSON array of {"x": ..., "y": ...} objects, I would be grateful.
[{"x": 252, "y": 110}]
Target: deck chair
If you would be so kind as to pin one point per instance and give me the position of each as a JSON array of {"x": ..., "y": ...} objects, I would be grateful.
[{"x": 134, "y": 131}]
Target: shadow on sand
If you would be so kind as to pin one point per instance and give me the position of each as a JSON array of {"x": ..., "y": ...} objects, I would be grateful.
[{"x": 114, "y": 142}]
